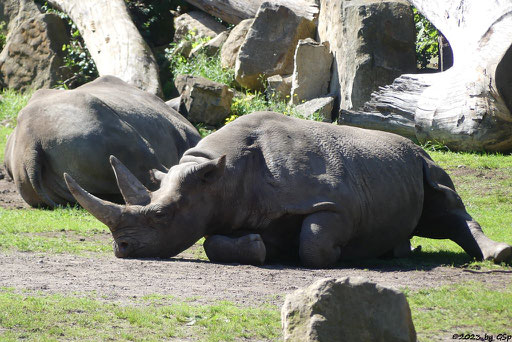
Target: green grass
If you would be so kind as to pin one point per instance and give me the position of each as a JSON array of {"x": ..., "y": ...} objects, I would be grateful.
[
  {"x": 57, "y": 317},
  {"x": 12, "y": 102},
  {"x": 461, "y": 308},
  {"x": 4, "y": 133},
  {"x": 437, "y": 313},
  {"x": 63, "y": 230}
]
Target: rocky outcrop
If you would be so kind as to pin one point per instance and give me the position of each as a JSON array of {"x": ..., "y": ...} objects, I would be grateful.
[
  {"x": 270, "y": 43},
  {"x": 322, "y": 106},
  {"x": 198, "y": 24},
  {"x": 229, "y": 51},
  {"x": 373, "y": 42},
  {"x": 311, "y": 72},
  {"x": 347, "y": 309},
  {"x": 204, "y": 100},
  {"x": 279, "y": 87},
  {"x": 32, "y": 56}
]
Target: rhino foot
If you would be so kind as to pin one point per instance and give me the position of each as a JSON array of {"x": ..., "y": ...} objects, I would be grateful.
[{"x": 501, "y": 252}]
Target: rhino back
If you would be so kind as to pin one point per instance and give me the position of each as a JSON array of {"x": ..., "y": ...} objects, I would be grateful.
[{"x": 293, "y": 165}]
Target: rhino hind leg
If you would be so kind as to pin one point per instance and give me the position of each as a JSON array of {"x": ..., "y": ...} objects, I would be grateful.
[
  {"x": 321, "y": 239},
  {"x": 248, "y": 249},
  {"x": 445, "y": 217}
]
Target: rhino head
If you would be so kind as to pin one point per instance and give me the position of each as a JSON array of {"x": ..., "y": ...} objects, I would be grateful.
[{"x": 162, "y": 223}]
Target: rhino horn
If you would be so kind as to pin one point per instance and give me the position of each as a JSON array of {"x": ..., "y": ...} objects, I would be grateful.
[
  {"x": 106, "y": 212},
  {"x": 133, "y": 191}
]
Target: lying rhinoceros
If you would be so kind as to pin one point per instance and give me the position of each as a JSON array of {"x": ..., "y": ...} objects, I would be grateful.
[
  {"x": 75, "y": 131},
  {"x": 268, "y": 186}
]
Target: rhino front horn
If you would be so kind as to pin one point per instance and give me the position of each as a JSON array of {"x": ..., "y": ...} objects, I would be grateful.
[
  {"x": 107, "y": 212},
  {"x": 133, "y": 191}
]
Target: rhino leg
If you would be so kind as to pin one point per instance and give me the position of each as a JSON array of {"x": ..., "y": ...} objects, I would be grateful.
[
  {"x": 445, "y": 217},
  {"x": 247, "y": 249},
  {"x": 321, "y": 238}
]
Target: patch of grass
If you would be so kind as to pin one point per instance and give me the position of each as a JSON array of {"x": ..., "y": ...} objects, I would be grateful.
[
  {"x": 63, "y": 230},
  {"x": 12, "y": 102},
  {"x": 461, "y": 308},
  {"x": 58, "y": 317},
  {"x": 4, "y": 133}
]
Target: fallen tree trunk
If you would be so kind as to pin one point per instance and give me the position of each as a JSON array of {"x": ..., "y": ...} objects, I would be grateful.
[
  {"x": 468, "y": 107},
  {"x": 113, "y": 41},
  {"x": 234, "y": 11}
]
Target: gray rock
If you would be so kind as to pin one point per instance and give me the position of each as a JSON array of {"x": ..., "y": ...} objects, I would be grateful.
[
  {"x": 174, "y": 103},
  {"x": 279, "y": 86},
  {"x": 204, "y": 100},
  {"x": 321, "y": 105},
  {"x": 373, "y": 42},
  {"x": 211, "y": 47},
  {"x": 229, "y": 51},
  {"x": 33, "y": 56},
  {"x": 270, "y": 43},
  {"x": 347, "y": 309},
  {"x": 311, "y": 72},
  {"x": 198, "y": 24}
]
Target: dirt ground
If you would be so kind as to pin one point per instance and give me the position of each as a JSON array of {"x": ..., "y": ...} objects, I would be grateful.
[{"x": 187, "y": 277}]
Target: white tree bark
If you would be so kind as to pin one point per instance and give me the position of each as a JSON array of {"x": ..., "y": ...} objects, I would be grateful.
[
  {"x": 466, "y": 107},
  {"x": 113, "y": 41}
]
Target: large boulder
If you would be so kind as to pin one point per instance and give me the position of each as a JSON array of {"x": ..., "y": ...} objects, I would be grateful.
[
  {"x": 198, "y": 24},
  {"x": 373, "y": 42},
  {"x": 270, "y": 43},
  {"x": 32, "y": 56},
  {"x": 204, "y": 100},
  {"x": 347, "y": 309},
  {"x": 229, "y": 51},
  {"x": 311, "y": 72}
]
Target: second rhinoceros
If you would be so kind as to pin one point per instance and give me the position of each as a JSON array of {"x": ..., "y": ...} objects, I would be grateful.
[
  {"x": 75, "y": 131},
  {"x": 267, "y": 186}
]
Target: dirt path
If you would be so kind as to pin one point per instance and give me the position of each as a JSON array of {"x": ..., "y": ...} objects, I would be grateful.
[{"x": 121, "y": 279}]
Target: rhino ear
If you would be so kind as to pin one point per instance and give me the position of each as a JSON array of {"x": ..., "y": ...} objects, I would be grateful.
[
  {"x": 211, "y": 170},
  {"x": 132, "y": 190}
]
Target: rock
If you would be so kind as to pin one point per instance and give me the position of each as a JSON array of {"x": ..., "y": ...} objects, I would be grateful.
[
  {"x": 198, "y": 24},
  {"x": 270, "y": 43},
  {"x": 347, "y": 309},
  {"x": 211, "y": 47},
  {"x": 229, "y": 51},
  {"x": 279, "y": 86},
  {"x": 33, "y": 56},
  {"x": 321, "y": 105},
  {"x": 373, "y": 43},
  {"x": 204, "y": 100},
  {"x": 311, "y": 72}
]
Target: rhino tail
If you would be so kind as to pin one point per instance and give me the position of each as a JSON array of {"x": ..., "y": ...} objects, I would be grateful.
[{"x": 32, "y": 169}]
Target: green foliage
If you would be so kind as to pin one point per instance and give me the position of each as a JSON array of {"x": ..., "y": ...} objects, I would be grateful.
[
  {"x": 201, "y": 65},
  {"x": 77, "y": 59},
  {"x": 10, "y": 104},
  {"x": 427, "y": 46},
  {"x": 2, "y": 35},
  {"x": 38, "y": 317}
]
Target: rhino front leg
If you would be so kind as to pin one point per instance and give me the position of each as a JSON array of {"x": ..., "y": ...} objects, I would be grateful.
[
  {"x": 248, "y": 249},
  {"x": 321, "y": 237}
]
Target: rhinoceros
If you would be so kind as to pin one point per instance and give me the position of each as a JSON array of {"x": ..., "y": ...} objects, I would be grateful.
[
  {"x": 267, "y": 187},
  {"x": 75, "y": 131}
]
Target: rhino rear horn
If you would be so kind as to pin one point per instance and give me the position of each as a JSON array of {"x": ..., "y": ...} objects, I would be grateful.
[
  {"x": 107, "y": 212},
  {"x": 133, "y": 191}
]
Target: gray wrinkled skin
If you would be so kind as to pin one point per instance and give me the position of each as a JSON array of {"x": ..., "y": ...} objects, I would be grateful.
[
  {"x": 268, "y": 187},
  {"x": 75, "y": 131}
]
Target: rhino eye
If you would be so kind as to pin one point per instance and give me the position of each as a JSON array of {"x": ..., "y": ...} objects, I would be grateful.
[{"x": 159, "y": 213}]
